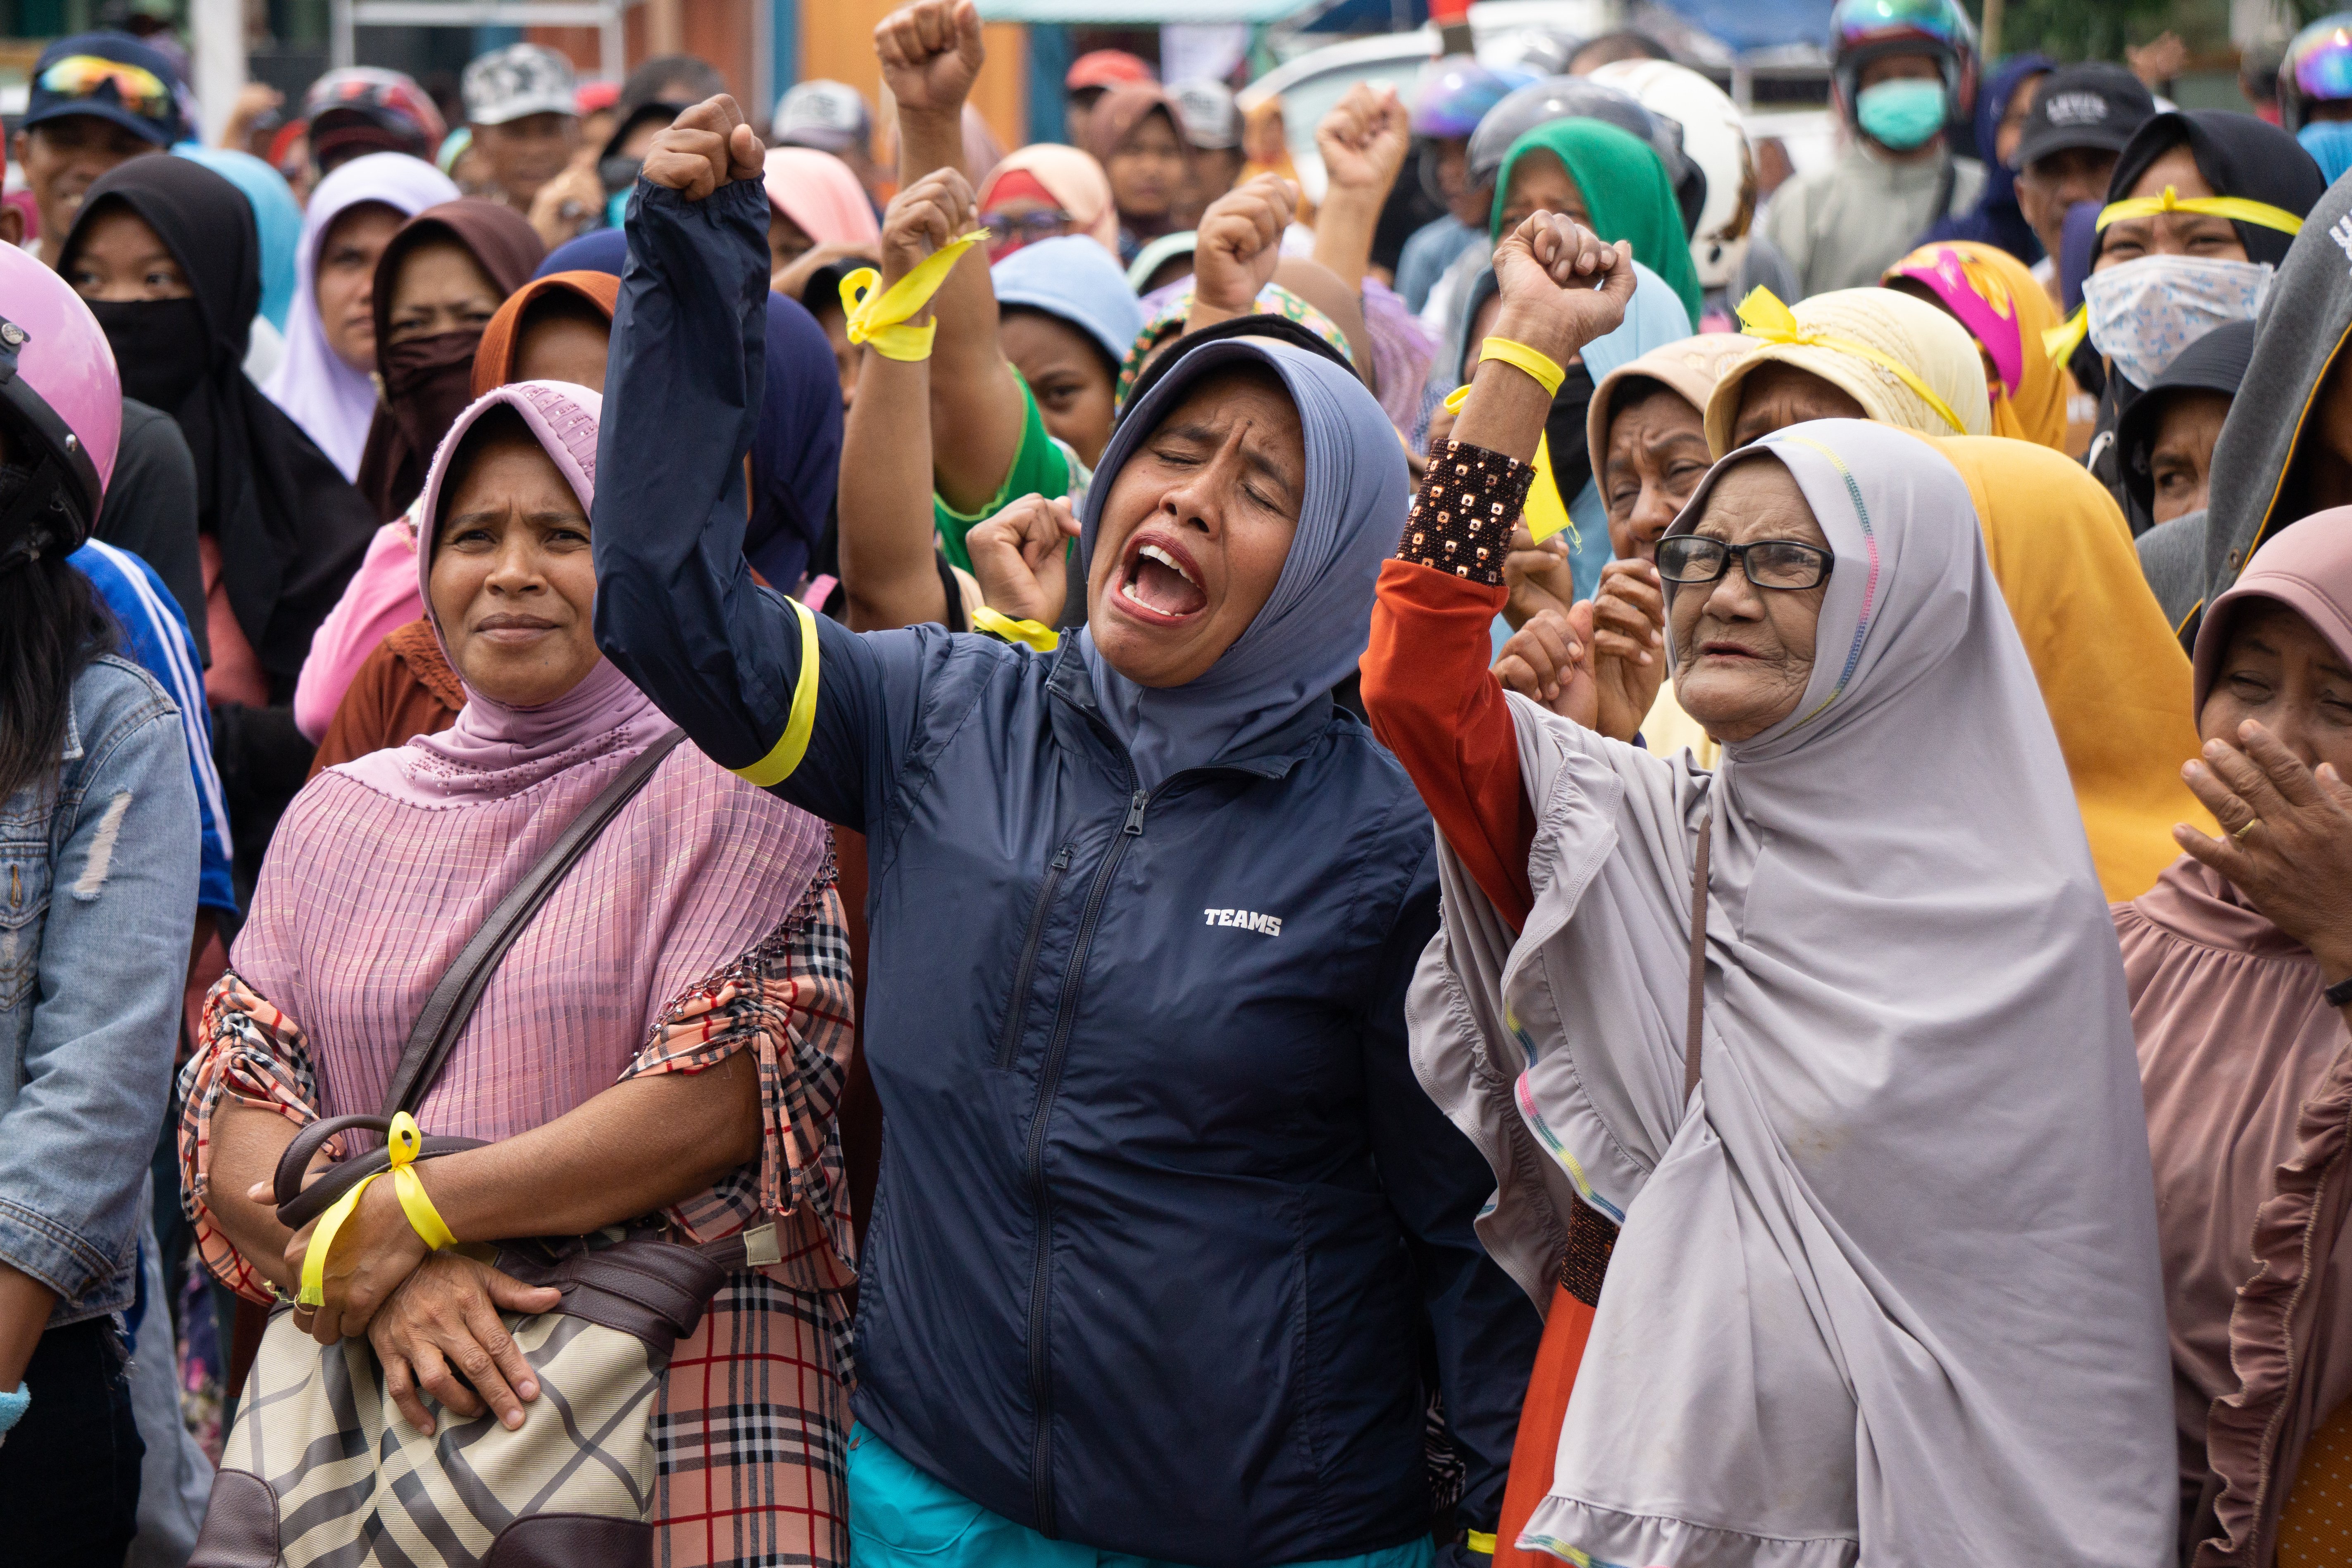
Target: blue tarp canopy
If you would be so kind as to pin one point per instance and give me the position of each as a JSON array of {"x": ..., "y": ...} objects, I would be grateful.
[{"x": 1742, "y": 25}]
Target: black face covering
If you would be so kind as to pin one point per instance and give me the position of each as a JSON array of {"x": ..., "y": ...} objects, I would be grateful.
[
  {"x": 1572, "y": 456},
  {"x": 161, "y": 347}
]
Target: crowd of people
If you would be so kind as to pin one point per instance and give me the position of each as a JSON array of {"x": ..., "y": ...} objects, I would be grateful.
[{"x": 664, "y": 790}]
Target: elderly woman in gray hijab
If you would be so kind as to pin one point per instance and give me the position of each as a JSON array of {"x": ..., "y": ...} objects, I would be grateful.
[{"x": 1886, "y": 1289}]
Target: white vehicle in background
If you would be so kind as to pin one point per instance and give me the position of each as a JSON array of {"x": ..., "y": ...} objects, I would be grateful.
[{"x": 1533, "y": 35}]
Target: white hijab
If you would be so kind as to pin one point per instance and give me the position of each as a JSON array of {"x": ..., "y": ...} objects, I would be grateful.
[
  {"x": 333, "y": 402},
  {"x": 1887, "y": 1287}
]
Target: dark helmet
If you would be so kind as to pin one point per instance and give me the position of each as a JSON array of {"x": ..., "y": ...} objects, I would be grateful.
[{"x": 1581, "y": 97}]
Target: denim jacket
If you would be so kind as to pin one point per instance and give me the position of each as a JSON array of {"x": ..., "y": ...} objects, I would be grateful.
[{"x": 98, "y": 896}]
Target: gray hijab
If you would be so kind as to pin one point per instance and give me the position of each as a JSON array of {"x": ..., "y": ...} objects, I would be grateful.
[
  {"x": 1887, "y": 1286},
  {"x": 1315, "y": 624}
]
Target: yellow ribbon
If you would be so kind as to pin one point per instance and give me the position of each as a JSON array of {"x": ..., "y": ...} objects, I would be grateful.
[
  {"x": 2060, "y": 341},
  {"x": 1764, "y": 317},
  {"x": 1546, "y": 515},
  {"x": 401, "y": 1145},
  {"x": 2237, "y": 209},
  {"x": 879, "y": 318},
  {"x": 1482, "y": 1540},
  {"x": 1518, "y": 356},
  {"x": 1044, "y": 639}
]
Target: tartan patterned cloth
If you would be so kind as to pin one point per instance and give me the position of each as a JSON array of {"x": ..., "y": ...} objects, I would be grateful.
[{"x": 753, "y": 1428}]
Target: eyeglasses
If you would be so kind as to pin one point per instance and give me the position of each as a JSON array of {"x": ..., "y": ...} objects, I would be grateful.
[
  {"x": 138, "y": 89},
  {"x": 1011, "y": 231},
  {"x": 1693, "y": 558}
]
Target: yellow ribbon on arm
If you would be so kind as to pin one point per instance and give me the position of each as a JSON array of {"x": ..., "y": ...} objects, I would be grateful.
[
  {"x": 401, "y": 1144},
  {"x": 1042, "y": 637},
  {"x": 1762, "y": 316},
  {"x": 1546, "y": 515},
  {"x": 879, "y": 318}
]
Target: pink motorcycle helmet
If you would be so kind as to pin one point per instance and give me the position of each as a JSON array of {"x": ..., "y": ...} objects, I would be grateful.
[{"x": 60, "y": 406}]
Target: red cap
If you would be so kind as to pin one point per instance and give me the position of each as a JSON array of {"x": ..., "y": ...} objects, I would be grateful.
[
  {"x": 1106, "y": 68},
  {"x": 590, "y": 96}
]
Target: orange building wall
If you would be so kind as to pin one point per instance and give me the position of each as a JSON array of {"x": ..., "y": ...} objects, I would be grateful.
[{"x": 719, "y": 31}]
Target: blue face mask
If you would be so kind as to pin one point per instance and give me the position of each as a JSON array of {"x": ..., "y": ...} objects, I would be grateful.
[
  {"x": 1901, "y": 114},
  {"x": 2329, "y": 143}
]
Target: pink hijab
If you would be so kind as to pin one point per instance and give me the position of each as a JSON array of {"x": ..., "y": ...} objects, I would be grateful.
[
  {"x": 818, "y": 192},
  {"x": 1072, "y": 178},
  {"x": 2248, "y": 1093},
  {"x": 383, "y": 869}
]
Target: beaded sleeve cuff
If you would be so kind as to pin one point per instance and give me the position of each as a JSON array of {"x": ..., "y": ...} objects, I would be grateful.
[{"x": 1462, "y": 521}]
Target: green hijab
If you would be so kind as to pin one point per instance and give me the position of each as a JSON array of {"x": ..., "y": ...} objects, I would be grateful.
[{"x": 1626, "y": 191}]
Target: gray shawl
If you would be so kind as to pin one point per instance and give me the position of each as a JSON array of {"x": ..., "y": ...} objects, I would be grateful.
[
  {"x": 1888, "y": 1286},
  {"x": 2304, "y": 321}
]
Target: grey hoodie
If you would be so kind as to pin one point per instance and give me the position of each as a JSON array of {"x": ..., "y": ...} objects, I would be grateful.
[{"x": 2302, "y": 324}]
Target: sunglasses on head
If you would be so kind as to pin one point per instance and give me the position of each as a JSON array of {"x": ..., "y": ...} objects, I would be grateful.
[
  {"x": 1688, "y": 559},
  {"x": 137, "y": 89}
]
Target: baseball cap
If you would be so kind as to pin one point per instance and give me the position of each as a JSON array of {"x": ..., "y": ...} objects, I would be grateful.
[
  {"x": 2095, "y": 104},
  {"x": 361, "y": 109},
  {"x": 1207, "y": 110},
  {"x": 112, "y": 76},
  {"x": 829, "y": 116},
  {"x": 520, "y": 80},
  {"x": 1106, "y": 68}
]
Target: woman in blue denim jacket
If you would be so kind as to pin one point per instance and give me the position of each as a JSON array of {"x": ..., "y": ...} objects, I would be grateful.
[{"x": 99, "y": 841}]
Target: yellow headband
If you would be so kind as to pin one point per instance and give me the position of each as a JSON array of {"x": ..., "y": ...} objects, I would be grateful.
[
  {"x": 1763, "y": 316},
  {"x": 2061, "y": 342},
  {"x": 2237, "y": 209}
]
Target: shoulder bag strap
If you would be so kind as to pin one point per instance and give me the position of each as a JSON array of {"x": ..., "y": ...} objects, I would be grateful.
[
  {"x": 1697, "y": 959},
  {"x": 452, "y": 1002}
]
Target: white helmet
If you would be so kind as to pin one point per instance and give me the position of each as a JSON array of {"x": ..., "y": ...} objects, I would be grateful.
[{"x": 1715, "y": 140}]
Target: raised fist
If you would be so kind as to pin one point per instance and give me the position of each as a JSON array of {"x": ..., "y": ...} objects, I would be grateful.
[
  {"x": 705, "y": 148},
  {"x": 931, "y": 53},
  {"x": 1239, "y": 241},
  {"x": 921, "y": 219},
  {"x": 1364, "y": 139},
  {"x": 1547, "y": 270}
]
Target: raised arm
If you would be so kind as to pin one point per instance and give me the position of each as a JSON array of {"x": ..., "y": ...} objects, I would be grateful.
[
  {"x": 1426, "y": 683},
  {"x": 889, "y": 564},
  {"x": 737, "y": 666},
  {"x": 931, "y": 53},
  {"x": 1240, "y": 241},
  {"x": 1363, "y": 140}
]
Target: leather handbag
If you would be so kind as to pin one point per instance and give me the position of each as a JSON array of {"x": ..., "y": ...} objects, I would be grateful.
[{"x": 322, "y": 1467}]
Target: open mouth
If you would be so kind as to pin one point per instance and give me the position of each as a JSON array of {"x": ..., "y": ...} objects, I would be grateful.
[{"x": 1160, "y": 584}]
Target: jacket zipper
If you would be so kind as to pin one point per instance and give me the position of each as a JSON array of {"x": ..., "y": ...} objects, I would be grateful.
[
  {"x": 1026, "y": 970},
  {"x": 1041, "y": 1397}
]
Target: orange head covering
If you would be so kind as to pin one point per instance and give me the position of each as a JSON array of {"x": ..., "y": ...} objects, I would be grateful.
[
  {"x": 2111, "y": 671},
  {"x": 494, "y": 361},
  {"x": 1992, "y": 294},
  {"x": 1072, "y": 178}
]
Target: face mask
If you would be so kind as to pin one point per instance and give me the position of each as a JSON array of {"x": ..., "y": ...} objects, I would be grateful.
[
  {"x": 2145, "y": 312},
  {"x": 1901, "y": 114},
  {"x": 427, "y": 382},
  {"x": 161, "y": 347},
  {"x": 2329, "y": 143}
]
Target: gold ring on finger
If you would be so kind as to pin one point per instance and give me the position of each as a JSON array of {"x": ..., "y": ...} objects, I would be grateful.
[{"x": 2252, "y": 823}]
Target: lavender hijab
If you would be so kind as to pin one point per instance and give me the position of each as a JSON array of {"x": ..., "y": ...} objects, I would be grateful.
[
  {"x": 383, "y": 868},
  {"x": 1886, "y": 1288},
  {"x": 1315, "y": 623},
  {"x": 328, "y": 398}
]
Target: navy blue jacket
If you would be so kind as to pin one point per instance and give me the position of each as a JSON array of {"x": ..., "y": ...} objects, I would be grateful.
[{"x": 1165, "y": 1221}]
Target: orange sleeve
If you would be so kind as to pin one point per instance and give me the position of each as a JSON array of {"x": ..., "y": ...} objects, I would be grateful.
[{"x": 1433, "y": 703}]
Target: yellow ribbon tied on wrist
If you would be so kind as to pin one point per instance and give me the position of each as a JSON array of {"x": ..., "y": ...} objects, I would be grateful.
[
  {"x": 1547, "y": 513},
  {"x": 401, "y": 1144},
  {"x": 1042, "y": 637},
  {"x": 2060, "y": 341},
  {"x": 879, "y": 318},
  {"x": 1763, "y": 316}
]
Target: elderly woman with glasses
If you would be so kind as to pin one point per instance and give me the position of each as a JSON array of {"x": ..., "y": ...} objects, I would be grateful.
[{"x": 1807, "y": 1081}]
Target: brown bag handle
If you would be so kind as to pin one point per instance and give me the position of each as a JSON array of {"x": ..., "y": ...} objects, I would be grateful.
[{"x": 1697, "y": 959}]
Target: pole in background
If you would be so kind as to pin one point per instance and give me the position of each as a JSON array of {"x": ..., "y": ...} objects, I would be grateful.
[
  {"x": 218, "y": 27},
  {"x": 1988, "y": 46}
]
